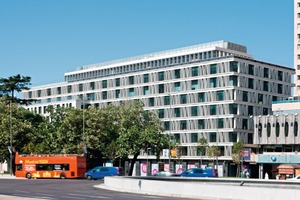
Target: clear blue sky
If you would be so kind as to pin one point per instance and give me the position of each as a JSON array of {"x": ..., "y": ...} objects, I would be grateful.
[{"x": 46, "y": 38}]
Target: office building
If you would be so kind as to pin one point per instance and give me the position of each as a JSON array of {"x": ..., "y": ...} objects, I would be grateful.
[
  {"x": 297, "y": 46},
  {"x": 208, "y": 90}
]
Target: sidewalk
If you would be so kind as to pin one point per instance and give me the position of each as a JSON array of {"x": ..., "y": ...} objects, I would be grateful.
[{"x": 7, "y": 176}]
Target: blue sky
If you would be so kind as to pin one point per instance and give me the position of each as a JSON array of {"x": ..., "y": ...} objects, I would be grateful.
[{"x": 44, "y": 39}]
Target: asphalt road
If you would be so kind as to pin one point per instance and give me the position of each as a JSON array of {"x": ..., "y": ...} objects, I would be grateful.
[{"x": 13, "y": 189}]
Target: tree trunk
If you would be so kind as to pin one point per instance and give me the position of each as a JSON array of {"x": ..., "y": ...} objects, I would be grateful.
[{"x": 132, "y": 164}]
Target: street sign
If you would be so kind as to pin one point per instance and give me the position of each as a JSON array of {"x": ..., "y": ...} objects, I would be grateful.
[{"x": 9, "y": 149}]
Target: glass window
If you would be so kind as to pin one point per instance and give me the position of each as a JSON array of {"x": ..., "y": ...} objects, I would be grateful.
[
  {"x": 233, "y": 80},
  {"x": 266, "y": 86},
  {"x": 183, "y": 98},
  {"x": 213, "y": 109},
  {"x": 266, "y": 73},
  {"x": 233, "y": 66},
  {"x": 177, "y": 86},
  {"x": 118, "y": 81},
  {"x": 201, "y": 97},
  {"x": 118, "y": 94},
  {"x": 233, "y": 137},
  {"x": 268, "y": 130},
  {"x": 251, "y": 69},
  {"x": 245, "y": 96},
  {"x": 201, "y": 124},
  {"x": 90, "y": 96},
  {"x": 194, "y": 110},
  {"x": 69, "y": 88},
  {"x": 277, "y": 129},
  {"x": 177, "y": 138},
  {"x": 194, "y": 137},
  {"x": 131, "y": 80},
  {"x": 286, "y": 129},
  {"x": 213, "y": 137},
  {"x": 166, "y": 100},
  {"x": 195, "y": 71},
  {"x": 104, "y": 95},
  {"x": 250, "y": 110},
  {"x": 295, "y": 129},
  {"x": 194, "y": 85},
  {"x": 279, "y": 88},
  {"x": 92, "y": 85},
  {"x": 183, "y": 125},
  {"x": 151, "y": 101},
  {"x": 220, "y": 122},
  {"x": 213, "y": 68},
  {"x": 220, "y": 95},
  {"x": 250, "y": 83},
  {"x": 260, "y": 98},
  {"x": 30, "y": 94},
  {"x": 161, "y": 76},
  {"x": 177, "y": 112},
  {"x": 146, "y": 90},
  {"x": 58, "y": 90},
  {"x": 146, "y": 78},
  {"x": 167, "y": 125},
  {"x": 233, "y": 108},
  {"x": 177, "y": 73},
  {"x": 49, "y": 91},
  {"x": 161, "y": 88},
  {"x": 131, "y": 92},
  {"x": 161, "y": 113},
  {"x": 104, "y": 84},
  {"x": 213, "y": 82},
  {"x": 80, "y": 87}
]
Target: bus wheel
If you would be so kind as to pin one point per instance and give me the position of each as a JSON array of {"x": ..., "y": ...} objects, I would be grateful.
[
  {"x": 62, "y": 176},
  {"x": 28, "y": 176}
]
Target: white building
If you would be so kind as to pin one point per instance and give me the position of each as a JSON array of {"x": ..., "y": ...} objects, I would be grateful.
[
  {"x": 207, "y": 90},
  {"x": 297, "y": 45}
]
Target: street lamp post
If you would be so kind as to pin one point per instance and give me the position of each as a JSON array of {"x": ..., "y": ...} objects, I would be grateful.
[
  {"x": 10, "y": 138},
  {"x": 217, "y": 141},
  {"x": 170, "y": 128}
]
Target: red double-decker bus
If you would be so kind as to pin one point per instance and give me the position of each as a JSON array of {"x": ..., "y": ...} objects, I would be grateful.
[{"x": 50, "y": 166}]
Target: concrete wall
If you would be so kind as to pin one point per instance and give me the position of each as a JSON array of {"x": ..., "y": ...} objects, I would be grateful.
[{"x": 202, "y": 189}]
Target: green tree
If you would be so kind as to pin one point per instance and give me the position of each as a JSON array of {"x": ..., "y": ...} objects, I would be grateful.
[
  {"x": 139, "y": 130},
  {"x": 202, "y": 147},
  {"x": 102, "y": 131},
  {"x": 212, "y": 152},
  {"x": 12, "y": 84},
  {"x": 18, "y": 124},
  {"x": 237, "y": 153}
]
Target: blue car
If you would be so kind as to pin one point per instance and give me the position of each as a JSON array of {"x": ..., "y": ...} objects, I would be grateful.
[
  {"x": 100, "y": 172},
  {"x": 198, "y": 172}
]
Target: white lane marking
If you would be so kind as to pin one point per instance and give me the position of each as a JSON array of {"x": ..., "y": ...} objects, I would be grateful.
[{"x": 82, "y": 195}]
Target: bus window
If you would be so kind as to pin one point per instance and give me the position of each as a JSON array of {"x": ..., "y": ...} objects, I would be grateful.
[{"x": 19, "y": 167}]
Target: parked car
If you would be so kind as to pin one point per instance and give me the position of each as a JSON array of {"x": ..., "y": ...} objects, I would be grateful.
[
  {"x": 164, "y": 173},
  {"x": 296, "y": 178},
  {"x": 100, "y": 172},
  {"x": 198, "y": 172}
]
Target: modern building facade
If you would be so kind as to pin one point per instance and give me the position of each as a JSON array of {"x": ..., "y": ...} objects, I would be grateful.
[
  {"x": 210, "y": 90},
  {"x": 297, "y": 46}
]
